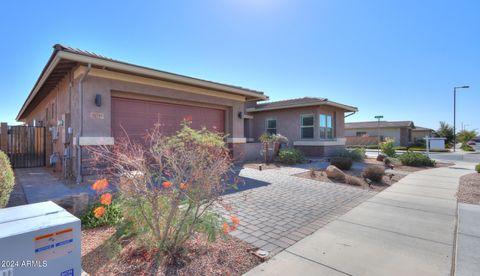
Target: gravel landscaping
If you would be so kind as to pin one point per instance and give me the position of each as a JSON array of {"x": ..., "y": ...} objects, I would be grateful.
[
  {"x": 228, "y": 256},
  {"x": 469, "y": 189},
  {"x": 374, "y": 186}
]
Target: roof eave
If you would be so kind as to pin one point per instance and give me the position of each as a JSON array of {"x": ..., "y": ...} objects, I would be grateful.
[
  {"x": 149, "y": 72},
  {"x": 51, "y": 64},
  {"x": 58, "y": 55},
  {"x": 319, "y": 103}
]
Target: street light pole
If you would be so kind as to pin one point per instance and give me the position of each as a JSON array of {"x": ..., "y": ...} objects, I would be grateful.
[{"x": 455, "y": 114}]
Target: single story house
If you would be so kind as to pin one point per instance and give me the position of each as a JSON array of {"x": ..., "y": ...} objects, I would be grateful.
[
  {"x": 85, "y": 99},
  {"x": 366, "y": 133},
  {"x": 419, "y": 133}
]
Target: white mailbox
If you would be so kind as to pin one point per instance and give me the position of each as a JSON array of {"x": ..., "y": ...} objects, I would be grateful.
[{"x": 39, "y": 239}]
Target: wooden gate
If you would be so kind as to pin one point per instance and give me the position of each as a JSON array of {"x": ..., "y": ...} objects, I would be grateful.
[{"x": 26, "y": 146}]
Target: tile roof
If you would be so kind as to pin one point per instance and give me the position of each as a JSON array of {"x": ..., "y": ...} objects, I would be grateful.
[
  {"x": 290, "y": 102},
  {"x": 375, "y": 124},
  {"x": 299, "y": 102}
]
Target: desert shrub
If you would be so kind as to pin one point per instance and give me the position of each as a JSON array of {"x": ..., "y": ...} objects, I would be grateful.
[
  {"x": 111, "y": 216},
  {"x": 374, "y": 173},
  {"x": 291, "y": 156},
  {"x": 466, "y": 147},
  {"x": 391, "y": 161},
  {"x": 388, "y": 147},
  {"x": 477, "y": 168},
  {"x": 357, "y": 154},
  {"x": 169, "y": 185},
  {"x": 343, "y": 163},
  {"x": 7, "y": 179},
  {"x": 416, "y": 159}
]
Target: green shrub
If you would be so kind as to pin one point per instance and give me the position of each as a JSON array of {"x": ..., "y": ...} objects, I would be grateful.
[
  {"x": 466, "y": 147},
  {"x": 7, "y": 179},
  {"x": 374, "y": 173},
  {"x": 392, "y": 161},
  {"x": 343, "y": 163},
  {"x": 363, "y": 146},
  {"x": 291, "y": 156},
  {"x": 477, "y": 168},
  {"x": 416, "y": 159},
  {"x": 388, "y": 147},
  {"x": 112, "y": 216},
  {"x": 357, "y": 154}
]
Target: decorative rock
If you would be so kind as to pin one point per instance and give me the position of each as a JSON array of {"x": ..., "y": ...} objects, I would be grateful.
[{"x": 335, "y": 173}]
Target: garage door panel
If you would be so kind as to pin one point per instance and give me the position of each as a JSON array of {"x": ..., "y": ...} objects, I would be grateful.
[{"x": 137, "y": 116}]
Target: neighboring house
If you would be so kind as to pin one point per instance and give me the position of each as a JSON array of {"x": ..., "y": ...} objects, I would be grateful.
[
  {"x": 313, "y": 125},
  {"x": 85, "y": 99},
  {"x": 419, "y": 133},
  {"x": 364, "y": 133}
]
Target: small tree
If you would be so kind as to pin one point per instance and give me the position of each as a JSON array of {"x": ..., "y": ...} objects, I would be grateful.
[
  {"x": 466, "y": 135},
  {"x": 445, "y": 131},
  {"x": 169, "y": 184},
  {"x": 266, "y": 140}
]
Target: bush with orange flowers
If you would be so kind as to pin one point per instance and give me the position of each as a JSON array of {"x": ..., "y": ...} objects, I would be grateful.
[
  {"x": 106, "y": 212},
  {"x": 170, "y": 185}
]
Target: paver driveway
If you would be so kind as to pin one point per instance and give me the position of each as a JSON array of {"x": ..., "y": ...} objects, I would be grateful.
[{"x": 288, "y": 208}]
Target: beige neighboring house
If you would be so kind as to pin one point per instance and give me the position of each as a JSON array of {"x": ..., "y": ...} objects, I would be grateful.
[
  {"x": 84, "y": 99},
  {"x": 365, "y": 133},
  {"x": 419, "y": 133}
]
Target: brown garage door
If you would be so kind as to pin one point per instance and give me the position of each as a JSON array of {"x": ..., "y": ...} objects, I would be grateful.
[{"x": 137, "y": 116}]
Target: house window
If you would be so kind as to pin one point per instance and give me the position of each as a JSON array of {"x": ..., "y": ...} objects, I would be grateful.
[
  {"x": 271, "y": 126},
  {"x": 326, "y": 126},
  {"x": 361, "y": 133},
  {"x": 307, "y": 126},
  {"x": 46, "y": 114}
]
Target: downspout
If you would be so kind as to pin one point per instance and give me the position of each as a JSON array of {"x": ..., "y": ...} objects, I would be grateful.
[{"x": 80, "y": 133}]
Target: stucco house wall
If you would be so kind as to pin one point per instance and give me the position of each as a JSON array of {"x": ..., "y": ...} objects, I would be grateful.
[
  {"x": 288, "y": 124},
  {"x": 58, "y": 102}
]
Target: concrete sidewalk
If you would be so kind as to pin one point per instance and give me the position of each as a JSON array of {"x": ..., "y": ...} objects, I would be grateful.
[
  {"x": 467, "y": 261},
  {"x": 408, "y": 229}
]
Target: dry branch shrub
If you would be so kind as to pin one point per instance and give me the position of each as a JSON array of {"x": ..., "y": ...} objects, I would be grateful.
[{"x": 168, "y": 186}]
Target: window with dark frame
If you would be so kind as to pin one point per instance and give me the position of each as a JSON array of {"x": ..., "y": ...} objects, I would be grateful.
[
  {"x": 361, "y": 133},
  {"x": 307, "y": 126},
  {"x": 326, "y": 126},
  {"x": 271, "y": 126}
]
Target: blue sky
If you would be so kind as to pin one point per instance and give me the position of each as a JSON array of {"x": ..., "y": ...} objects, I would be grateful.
[{"x": 400, "y": 59}]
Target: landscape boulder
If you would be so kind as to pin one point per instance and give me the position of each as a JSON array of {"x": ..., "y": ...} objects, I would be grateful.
[{"x": 335, "y": 173}]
